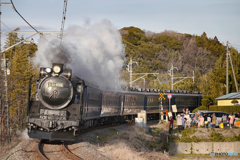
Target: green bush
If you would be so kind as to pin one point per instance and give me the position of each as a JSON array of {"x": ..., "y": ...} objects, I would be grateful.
[
  {"x": 216, "y": 137},
  {"x": 204, "y": 102},
  {"x": 234, "y": 101},
  {"x": 154, "y": 144},
  {"x": 228, "y": 109},
  {"x": 156, "y": 131},
  {"x": 199, "y": 108}
]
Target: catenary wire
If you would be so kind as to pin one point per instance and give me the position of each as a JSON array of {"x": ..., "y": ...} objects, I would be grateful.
[
  {"x": 61, "y": 48},
  {"x": 6, "y": 26},
  {"x": 234, "y": 44},
  {"x": 25, "y": 19}
]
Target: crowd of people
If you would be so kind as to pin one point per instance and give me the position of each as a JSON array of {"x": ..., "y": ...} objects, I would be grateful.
[
  {"x": 183, "y": 121},
  {"x": 201, "y": 120}
]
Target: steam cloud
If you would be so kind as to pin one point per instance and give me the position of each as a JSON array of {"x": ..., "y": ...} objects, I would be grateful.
[{"x": 94, "y": 52}]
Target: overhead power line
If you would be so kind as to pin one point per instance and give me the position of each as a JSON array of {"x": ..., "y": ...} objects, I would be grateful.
[
  {"x": 234, "y": 44},
  {"x": 24, "y": 18},
  {"x": 41, "y": 34},
  {"x": 6, "y": 26}
]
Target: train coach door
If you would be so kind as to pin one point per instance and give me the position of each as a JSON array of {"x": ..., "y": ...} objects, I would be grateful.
[
  {"x": 122, "y": 104},
  {"x": 145, "y": 103},
  {"x": 173, "y": 101}
]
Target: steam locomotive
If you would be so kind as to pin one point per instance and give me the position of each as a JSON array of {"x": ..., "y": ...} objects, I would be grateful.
[{"x": 64, "y": 105}]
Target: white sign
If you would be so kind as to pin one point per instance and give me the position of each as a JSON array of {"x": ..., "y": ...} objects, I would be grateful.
[
  {"x": 174, "y": 108},
  {"x": 169, "y": 114}
]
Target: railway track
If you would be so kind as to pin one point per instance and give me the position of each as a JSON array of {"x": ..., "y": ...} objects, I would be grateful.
[
  {"x": 68, "y": 153},
  {"x": 63, "y": 149},
  {"x": 39, "y": 148}
]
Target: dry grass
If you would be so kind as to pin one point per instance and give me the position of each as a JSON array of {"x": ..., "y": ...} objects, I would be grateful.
[
  {"x": 15, "y": 140},
  {"x": 133, "y": 143},
  {"x": 6, "y": 147}
]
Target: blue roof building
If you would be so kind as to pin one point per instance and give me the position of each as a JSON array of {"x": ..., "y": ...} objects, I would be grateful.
[{"x": 227, "y": 99}]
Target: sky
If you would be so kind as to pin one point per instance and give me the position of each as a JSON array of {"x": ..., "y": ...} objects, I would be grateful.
[{"x": 219, "y": 18}]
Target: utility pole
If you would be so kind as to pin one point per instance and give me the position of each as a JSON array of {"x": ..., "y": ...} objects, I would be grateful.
[
  {"x": 6, "y": 107},
  {"x": 170, "y": 72},
  {"x": 227, "y": 69},
  {"x": 63, "y": 19},
  {"x": 129, "y": 69},
  {"x": 1, "y": 128},
  {"x": 193, "y": 76},
  {"x": 143, "y": 81},
  {"x": 234, "y": 76}
]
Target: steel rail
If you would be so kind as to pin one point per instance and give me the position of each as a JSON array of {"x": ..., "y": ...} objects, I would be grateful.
[
  {"x": 68, "y": 153},
  {"x": 40, "y": 151}
]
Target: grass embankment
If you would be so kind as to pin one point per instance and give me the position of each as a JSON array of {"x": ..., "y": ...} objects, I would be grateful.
[{"x": 187, "y": 136}]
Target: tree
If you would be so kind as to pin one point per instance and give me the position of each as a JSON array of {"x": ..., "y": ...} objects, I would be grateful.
[
  {"x": 21, "y": 70},
  {"x": 234, "y": 101}
]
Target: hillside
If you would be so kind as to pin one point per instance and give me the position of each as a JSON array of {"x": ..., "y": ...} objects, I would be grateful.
[
  {"x": 161, "y": 50},
  {"x": 157, "y": 52}
]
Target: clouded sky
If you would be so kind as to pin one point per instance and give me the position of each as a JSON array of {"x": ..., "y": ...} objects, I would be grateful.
[{"x": 219, "y": 18}]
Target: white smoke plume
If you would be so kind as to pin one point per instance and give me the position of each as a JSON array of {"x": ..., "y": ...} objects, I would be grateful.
[{"x": 94, "y": 52}]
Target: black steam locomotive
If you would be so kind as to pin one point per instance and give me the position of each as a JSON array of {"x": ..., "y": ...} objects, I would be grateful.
[{"x": 64, "y": 106}]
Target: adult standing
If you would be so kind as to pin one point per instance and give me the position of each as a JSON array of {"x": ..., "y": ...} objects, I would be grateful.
[
  {"x": 179, "y": 122},
  {"x": 170, "y": 125},
  {"x": 187, "y": 118},
  {"x": 183, "y": 121},
  {"x": 214, "y": 118},
  {"x": 201, "y": 121},
  {"x": 187, "y": 111},
  {"x": 238, "y": 115},
  {"x": 232, "y": 120}
]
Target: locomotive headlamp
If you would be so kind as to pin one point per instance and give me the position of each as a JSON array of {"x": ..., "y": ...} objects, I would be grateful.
[
  {"x": 56, "y": 69},
  {"x": 48, "y": 70}
]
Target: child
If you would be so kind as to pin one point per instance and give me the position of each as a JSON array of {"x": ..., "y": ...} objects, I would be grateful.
[
  {"x": 209, "y": 121},
  {"x": 179, "y": 122}
]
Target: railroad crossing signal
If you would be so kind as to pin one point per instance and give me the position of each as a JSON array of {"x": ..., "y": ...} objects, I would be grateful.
[{"x": 161, "y": 96}]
